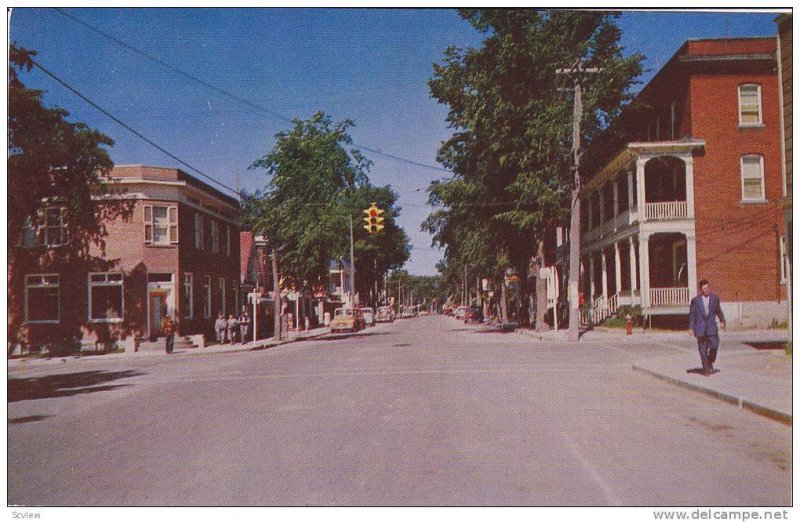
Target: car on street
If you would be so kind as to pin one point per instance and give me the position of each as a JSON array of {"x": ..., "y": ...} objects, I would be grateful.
[
  {"x": 369, "y": 315},
  {"x": 473, "y": 314},
  {"x": 385, "y": 314},
  {"x": 459, "y": 313},
  {"x": 347, "y": 320}
]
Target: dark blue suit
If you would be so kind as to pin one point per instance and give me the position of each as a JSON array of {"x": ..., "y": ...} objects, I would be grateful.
[{"x": 704, "y": 325}]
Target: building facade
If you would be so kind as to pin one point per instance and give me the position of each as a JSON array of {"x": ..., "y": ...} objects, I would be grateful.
[
  {"x": 177, "y": 255},
  {"x": 694, "y": 195}
]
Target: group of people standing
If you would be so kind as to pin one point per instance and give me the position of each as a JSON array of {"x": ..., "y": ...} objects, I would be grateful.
[{"x": 232, "y": 330}]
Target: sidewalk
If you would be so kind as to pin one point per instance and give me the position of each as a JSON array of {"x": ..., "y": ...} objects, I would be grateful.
[
  {"x": 261, "y": 344},
  {"x": 757, "y": 380}
]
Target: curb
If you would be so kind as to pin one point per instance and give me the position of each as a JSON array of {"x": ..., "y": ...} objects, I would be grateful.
[{"x": 764, "y": 411}]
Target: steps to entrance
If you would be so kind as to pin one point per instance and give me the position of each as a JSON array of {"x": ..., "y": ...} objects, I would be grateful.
[{"x": 159, "y": 345}]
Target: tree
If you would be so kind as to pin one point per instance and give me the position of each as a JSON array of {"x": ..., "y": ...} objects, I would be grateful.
[
  {"x": 57, "y": 164},
  {"x": 315, "y": 185},
  {"x": 510, "y": 149}
]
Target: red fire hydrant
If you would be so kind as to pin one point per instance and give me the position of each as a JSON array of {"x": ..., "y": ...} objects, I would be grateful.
[{"x": 628, "y": 324}]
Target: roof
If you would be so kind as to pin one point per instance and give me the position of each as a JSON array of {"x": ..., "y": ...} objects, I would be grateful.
[{"x": 150, "y": 173}]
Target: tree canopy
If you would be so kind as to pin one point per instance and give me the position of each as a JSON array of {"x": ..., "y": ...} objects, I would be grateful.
[
  {"x": 317, "y": 180},
  {"x": 509, "y": 152}
]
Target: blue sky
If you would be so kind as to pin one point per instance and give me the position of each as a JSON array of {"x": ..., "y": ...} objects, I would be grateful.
[{"x": 368, "y": 65}]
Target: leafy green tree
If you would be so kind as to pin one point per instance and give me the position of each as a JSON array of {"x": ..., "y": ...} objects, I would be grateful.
[
  {"x": 512, "y": 130},
  {"x": 57, "y": 164},
  {"x": 317, "y": 183}
]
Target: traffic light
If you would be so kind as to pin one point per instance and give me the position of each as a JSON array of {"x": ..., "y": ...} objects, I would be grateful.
[{"x": 373, "y": 219}]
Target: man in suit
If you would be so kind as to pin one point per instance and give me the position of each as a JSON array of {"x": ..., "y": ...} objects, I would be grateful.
[{"x": 703, "y": 313}]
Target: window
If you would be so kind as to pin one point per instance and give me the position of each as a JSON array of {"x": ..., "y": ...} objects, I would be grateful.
[
  {"x": 206, "y": 296},
  {"x": 782, "y": 260},
  {"x": 106, "y": 297},
  {"x": 41, "y": 298},
  {"x": 49, "y": 230},
  {"x": 160, "y": 224},
  {"x": 228, "y": 240},
  {"x": 752, "y": 178},
  {"x": 187, "y": 303},
  {"x": 750, "y": 104},
  {"x": 199, "y": 236},
  {"x": 214, "y": 237},
  {"x": 222, "y": 295}
]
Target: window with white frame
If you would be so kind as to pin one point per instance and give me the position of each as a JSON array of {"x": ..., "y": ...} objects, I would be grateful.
[
  {"x": 750, "y": 104},
  {"x": 199, "y": 235},
  {"x": 222, "y": 295},
  {"x": 753, "y": 177},
  {"x": 160, "y": 224},
  {"x": 187, "y": 295},
  {"x": 50, "y": 228},
  {"x": 42, "y": 298},
  {"x": 206, "y": 296},
  {"x": 214, "y": 237},
  {"x": 106, "y": 297}
]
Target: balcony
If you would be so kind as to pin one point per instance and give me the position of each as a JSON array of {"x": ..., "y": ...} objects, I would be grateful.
[{"x": 665, "y": 211}]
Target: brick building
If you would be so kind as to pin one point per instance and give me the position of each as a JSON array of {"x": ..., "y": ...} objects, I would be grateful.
[
  {"x": 178, "y": 254},
  {"x": 693, "y": 193}
]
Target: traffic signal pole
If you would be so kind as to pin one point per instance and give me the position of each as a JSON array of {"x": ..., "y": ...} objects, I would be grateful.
[{"x": 352, "y": 267}]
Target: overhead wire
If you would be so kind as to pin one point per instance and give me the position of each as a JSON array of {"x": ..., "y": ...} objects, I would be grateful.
[
  {"x": 224, "y": 92},
  {"x": 131, "y": 129}
]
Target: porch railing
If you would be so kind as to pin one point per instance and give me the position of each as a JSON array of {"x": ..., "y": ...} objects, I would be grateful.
[
  {"x": 669, "y": 296},
  {"x": 665, "y": 210}
]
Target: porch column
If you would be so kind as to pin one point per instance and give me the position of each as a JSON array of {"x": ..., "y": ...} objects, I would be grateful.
[
  {"x": 630, "y": 189},
  {"x": 644, "y": 268},
  {"x": 617, "y": 268},
  {"x": 604, "y": 275},
  {"x": 616, "y": 199},
  {"x": 691, "y": 264},
  {"x": 640, "y": 163},
  {"x": 633, "y": 267},
  {"x": 689, "y": 187},
  {"x": 589, "y": 205},
  {"x": 591, "y": 277},
  {"x": 600, "y": 202}
]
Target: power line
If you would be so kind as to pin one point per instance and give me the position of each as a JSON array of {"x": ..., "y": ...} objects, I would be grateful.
[
  {"x": 129, "y": 128},
  {"x": 227, "y": 93}
]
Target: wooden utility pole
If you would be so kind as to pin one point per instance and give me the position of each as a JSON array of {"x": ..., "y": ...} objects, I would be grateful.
[
  {"x": 352, "y": 268},
  {"x": 575, "y": 218},
  {"x": 277, "y": 295}
]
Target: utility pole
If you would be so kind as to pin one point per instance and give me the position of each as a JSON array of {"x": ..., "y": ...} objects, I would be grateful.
[
  {"x": 575, "y": 218},
  {"x": 352, "y": 268},
  {"x": 276, "y": 298},
  {"x": 375, "y": 296}
]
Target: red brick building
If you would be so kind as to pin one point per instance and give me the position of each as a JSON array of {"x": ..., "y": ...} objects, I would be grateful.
[
  {"x": 693, "y": 195},
  {"x": 177, "y": 255}
]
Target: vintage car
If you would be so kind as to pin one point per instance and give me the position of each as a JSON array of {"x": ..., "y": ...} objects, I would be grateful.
[
  {"x": 347, "y": 320},
  {"x": 369, "y": 315},
  {"x": 385, "y": 314}
]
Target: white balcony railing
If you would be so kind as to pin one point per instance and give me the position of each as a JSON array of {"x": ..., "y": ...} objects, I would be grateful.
[
  {"x": 669, "y": 296},
  {"x": 665, "y": 210}
]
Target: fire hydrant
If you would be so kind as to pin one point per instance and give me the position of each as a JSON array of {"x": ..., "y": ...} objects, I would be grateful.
[{"x": 628, "y": 324}]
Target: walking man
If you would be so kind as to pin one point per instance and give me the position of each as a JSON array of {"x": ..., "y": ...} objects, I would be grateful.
[
  {"x": 168, "y": 327},
  {"x": 703, "y": 313}
]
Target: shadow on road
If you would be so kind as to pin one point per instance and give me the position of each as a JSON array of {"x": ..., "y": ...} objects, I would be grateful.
[
  {"x": 32, "y": 418},
  {"x": 65, "y": 385},
  {"x": 337, "y": 336}
]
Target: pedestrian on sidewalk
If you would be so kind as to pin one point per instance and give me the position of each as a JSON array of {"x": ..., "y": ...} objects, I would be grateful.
[
  {"x": 168, "y": 326},
  {"x": 244, "y": 325},
  {"x": 703, "y": 313},
  {"x": 220, "y": 325},
  {"x": 233, "y": 328}
]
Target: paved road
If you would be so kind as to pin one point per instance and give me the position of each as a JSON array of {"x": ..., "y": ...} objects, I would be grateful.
[{"x": 426, "y": 411}]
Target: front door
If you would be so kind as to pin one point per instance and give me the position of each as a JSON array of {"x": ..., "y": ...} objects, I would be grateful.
[{"x": 158, "y": 309}]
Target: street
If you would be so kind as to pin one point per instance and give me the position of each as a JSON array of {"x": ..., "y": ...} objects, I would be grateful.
[{"x": 423, "y": 411}]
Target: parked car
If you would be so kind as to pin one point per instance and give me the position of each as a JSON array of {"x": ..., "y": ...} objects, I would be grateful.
[
  {"x": 459, "y": 313},
  {"x": 347, "y": 320},
  {"x": 473, "y": 314},
  {"x": 369, "y": 315},
  {"x": 385, "y": 314},
  {"x": 449, "y": 310}
]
